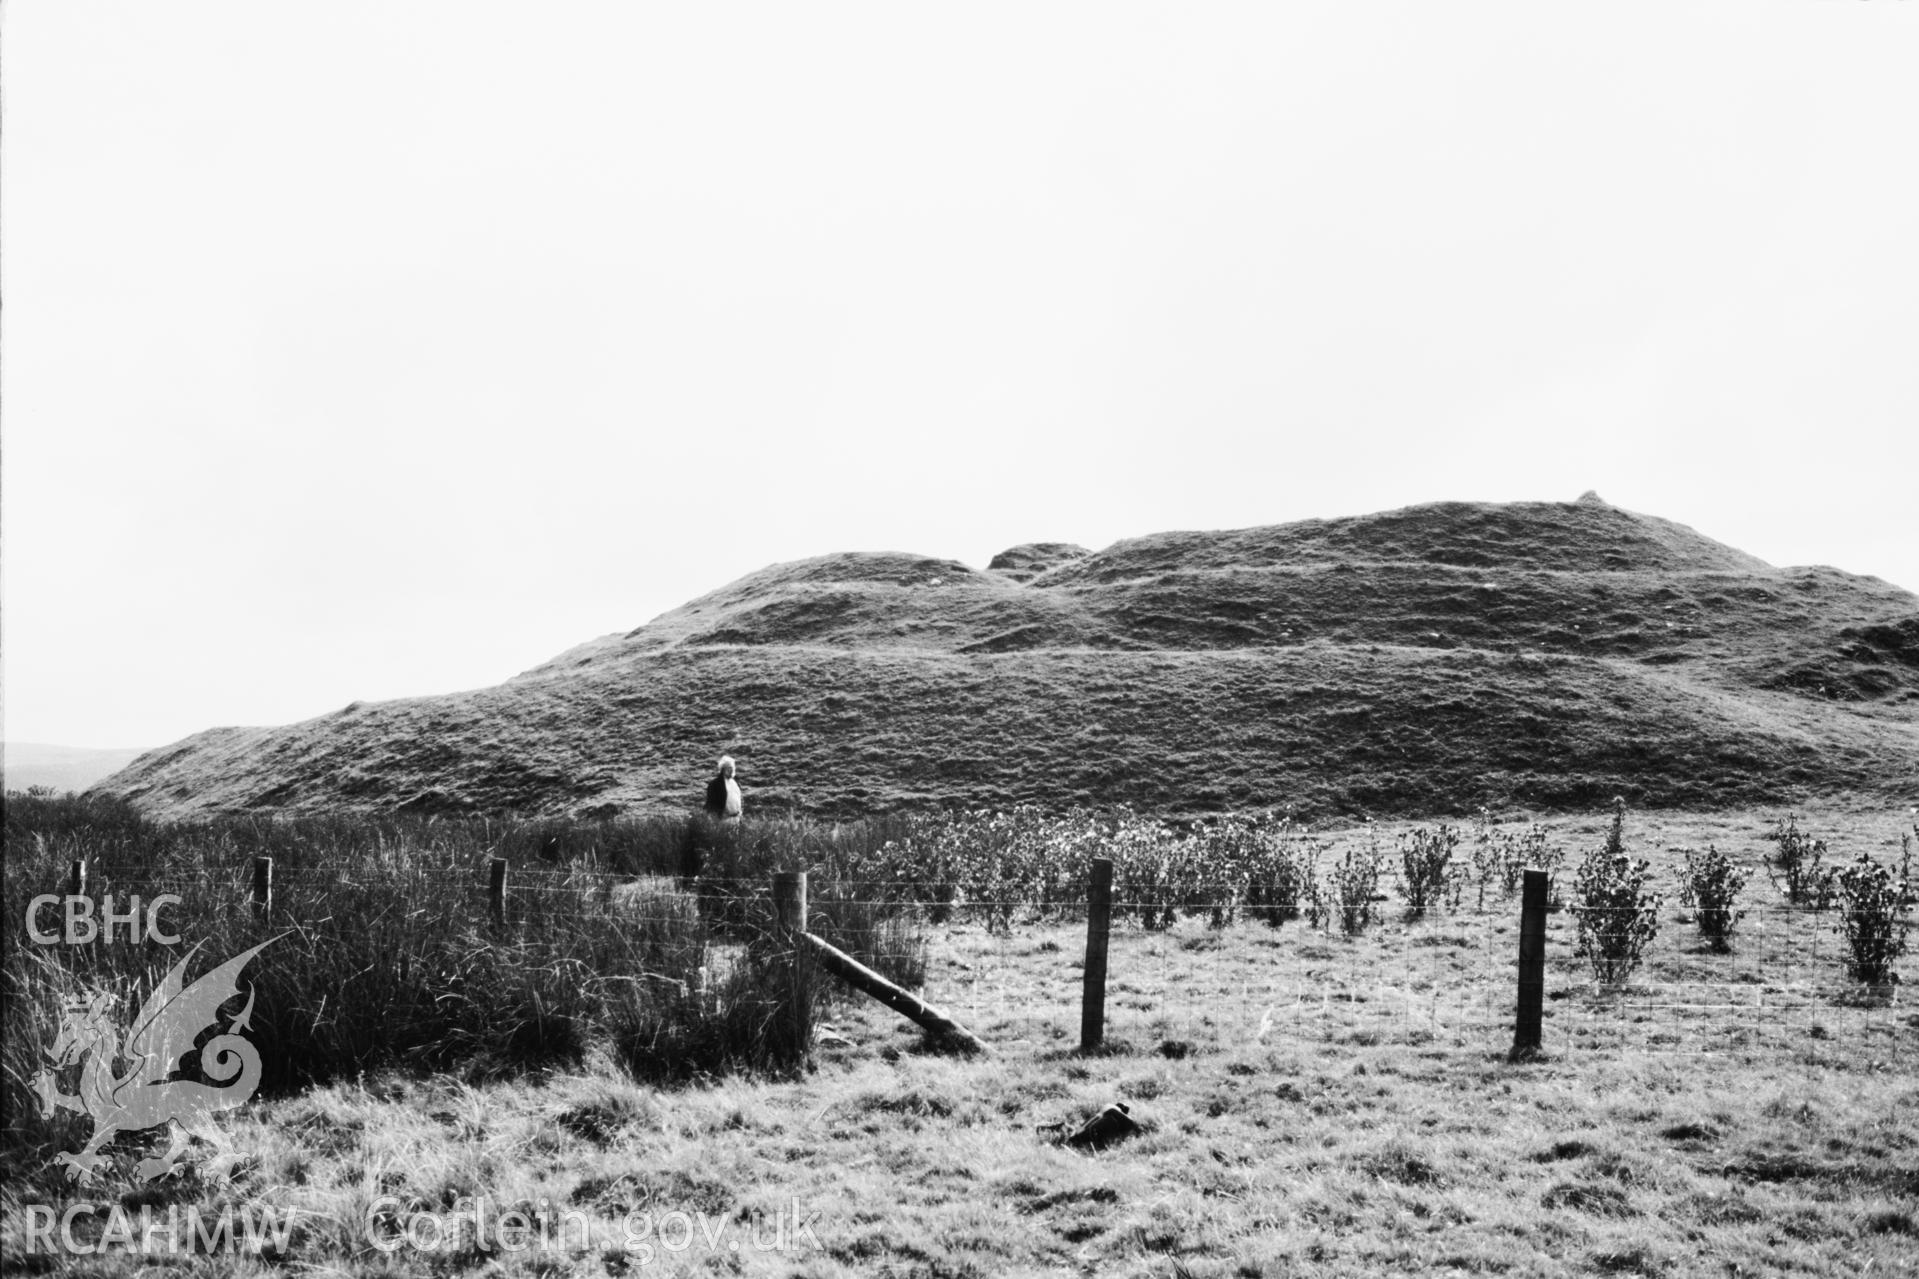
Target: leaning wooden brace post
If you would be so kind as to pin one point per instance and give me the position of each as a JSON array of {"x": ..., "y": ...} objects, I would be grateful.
[
  {"x": 496, "y": 890},
  {"x": 902, "y": 1001},
  {"x": 790, "y": 902},
  {"x": 262, "y": 895},
  {"x": 1532, "y": 966},
  {"x": 1099, "y": 924},
  {"x": 789, "y": 916}
]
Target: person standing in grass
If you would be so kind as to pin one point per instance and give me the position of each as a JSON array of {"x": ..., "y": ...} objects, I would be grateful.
[
  {"x": 718, "y": 822},
  {"x": 723, "y": 793}
]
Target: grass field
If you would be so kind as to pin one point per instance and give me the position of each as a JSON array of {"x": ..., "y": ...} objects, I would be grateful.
[{"x": 1310, "y": 1104}]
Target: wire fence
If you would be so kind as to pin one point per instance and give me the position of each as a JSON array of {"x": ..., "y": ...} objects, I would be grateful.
[{"x": 1012, "y": 964}]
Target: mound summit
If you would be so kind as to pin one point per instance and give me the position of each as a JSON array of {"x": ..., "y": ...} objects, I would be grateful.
[{"x": 1424, "y": 660}]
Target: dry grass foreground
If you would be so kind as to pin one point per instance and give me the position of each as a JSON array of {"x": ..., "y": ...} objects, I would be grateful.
[{"x": 1312, "y": 1105}]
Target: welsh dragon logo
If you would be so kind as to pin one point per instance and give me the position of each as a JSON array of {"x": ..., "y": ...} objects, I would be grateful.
[{"x": 164, "y": 1030}]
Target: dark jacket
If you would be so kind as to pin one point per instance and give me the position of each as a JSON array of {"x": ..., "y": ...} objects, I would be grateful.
[{"x": 722, "y": 798}]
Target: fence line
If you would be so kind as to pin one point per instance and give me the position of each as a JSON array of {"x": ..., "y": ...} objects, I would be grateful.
[{"x": 1525, "y": 980}]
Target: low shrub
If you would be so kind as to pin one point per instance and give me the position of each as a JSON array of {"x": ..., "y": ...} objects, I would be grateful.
[
  {"x": 1872, "y": 904},
  {"x": 1797, "y": 866},
  {"x": 1284, "y": 876},
  {"x": 1354, "y": 886},
  {"x": 1489, "y": 849},
  {"x": 1618, "y": 914},
  {"x": 1710, "y": 884},
  {"x": 1218, "y": 864},
  {"x": 1538, "y": 853},
  {"x": 1502, "y": 857},
  {"x": 1144, "y": 870},
  {"x": 1427, "y": 877}
]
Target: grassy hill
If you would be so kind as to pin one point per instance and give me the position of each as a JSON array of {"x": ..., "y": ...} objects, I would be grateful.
[{"x": 1429, "y": 659}]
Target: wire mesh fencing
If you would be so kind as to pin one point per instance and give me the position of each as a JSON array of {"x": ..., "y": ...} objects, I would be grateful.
[{"x": 1449, "y": 980}]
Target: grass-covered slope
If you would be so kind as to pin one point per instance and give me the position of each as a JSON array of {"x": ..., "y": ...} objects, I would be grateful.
[{"x": 1420, "y": 660}]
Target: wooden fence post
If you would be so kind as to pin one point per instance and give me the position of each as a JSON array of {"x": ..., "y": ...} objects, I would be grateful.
[
  {"x": 1099, "y": 923},
  {"x": 789, "y": 915},
  {"x": 1532, "y": 966},
  {"x": 77, "y": 879},
  {"x": 262, "y": 886},
  {"x": 496, "y": 890},
  {"x": 789, "y": 901}
]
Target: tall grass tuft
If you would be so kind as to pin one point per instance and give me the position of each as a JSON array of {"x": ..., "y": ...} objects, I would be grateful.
[{"x": 382, "y": 950}]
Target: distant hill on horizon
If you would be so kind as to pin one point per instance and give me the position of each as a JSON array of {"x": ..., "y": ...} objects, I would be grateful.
[
  {"x": 64, "y": 768},
  {"x": 1424, "y": 660}
]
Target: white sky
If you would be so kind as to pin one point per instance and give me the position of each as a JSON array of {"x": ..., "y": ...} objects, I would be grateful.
[{"x": 361, "y": 350}]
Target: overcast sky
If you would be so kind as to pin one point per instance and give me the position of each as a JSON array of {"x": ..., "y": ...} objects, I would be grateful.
[{"x": 362, "y": 350}]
